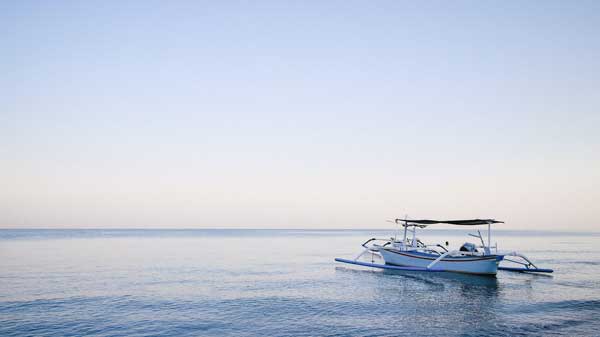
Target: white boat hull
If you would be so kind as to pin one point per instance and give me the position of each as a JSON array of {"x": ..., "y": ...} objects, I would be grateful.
[{"x": 463, "y": 264}]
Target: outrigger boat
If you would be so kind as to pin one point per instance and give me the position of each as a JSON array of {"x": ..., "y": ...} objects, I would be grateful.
[{"x": 412, "y": 254}]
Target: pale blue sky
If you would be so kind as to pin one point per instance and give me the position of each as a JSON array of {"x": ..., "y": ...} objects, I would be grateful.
[{"x": 315, "y": 114}]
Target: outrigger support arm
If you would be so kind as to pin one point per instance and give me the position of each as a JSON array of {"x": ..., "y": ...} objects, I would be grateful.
[
  {"x": 528, "y": 264},
  {"x": 371, "y": 249},
  {"x": 361, "y": 254}
]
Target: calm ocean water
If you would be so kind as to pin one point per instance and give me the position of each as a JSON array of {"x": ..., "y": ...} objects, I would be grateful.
[{"x": 282, "y": 283}]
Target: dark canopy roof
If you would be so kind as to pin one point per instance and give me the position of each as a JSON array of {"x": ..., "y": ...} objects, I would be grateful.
[{"x": 471, "y": 222}]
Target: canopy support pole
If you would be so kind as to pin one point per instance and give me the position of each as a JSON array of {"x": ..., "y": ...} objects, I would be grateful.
[{"x": 489, "y": 245}]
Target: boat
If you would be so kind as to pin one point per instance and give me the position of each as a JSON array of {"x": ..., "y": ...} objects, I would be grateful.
[{"x": 410, "y": 254}]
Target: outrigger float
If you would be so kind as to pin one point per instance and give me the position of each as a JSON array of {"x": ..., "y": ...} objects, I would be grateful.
[{"x": 411, "y": 254}]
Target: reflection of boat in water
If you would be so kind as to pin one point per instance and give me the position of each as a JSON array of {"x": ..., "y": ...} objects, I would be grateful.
[{"x": 411, "y": 254}]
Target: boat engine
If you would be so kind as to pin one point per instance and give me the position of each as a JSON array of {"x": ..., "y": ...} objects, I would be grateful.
[{"x": 468, "y": 247}]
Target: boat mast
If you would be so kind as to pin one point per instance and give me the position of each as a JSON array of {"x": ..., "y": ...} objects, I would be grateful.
[
  {"x": 405, "y": 231},
  {"x": 489, "y": 245}
]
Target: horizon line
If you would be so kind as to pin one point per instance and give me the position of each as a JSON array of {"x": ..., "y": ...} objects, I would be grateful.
[{"x": 554, "y": 230}]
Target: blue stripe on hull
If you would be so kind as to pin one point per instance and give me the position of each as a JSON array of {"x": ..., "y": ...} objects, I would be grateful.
[{"x": 426, "y": 256}]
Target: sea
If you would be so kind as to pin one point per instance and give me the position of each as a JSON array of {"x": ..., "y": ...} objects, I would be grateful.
[{"x": 244, "y": 282}]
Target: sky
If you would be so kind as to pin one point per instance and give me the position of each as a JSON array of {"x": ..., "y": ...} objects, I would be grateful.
[{"x": 299, "y": 114}]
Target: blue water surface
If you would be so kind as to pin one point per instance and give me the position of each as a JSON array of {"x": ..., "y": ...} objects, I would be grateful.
[{"x": 283, "y": 283}]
